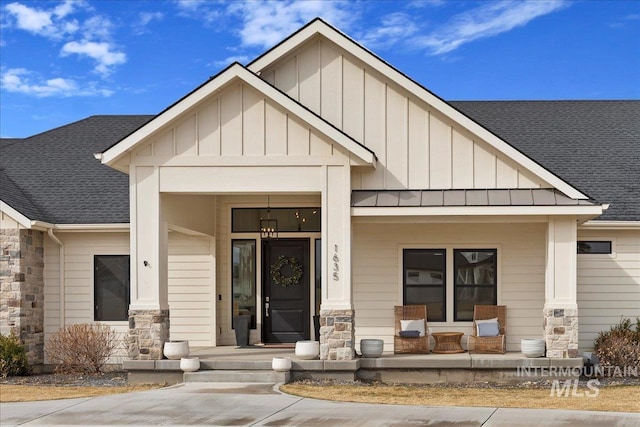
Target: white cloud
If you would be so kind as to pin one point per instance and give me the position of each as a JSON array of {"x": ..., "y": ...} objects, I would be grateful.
[
  {"x": 268, "y": 22},
  {"x": 147, "y": 17},
  {"x": 97, "y": 28},
  {"x": 100, "y": 52},
  {"x": 396, "y": 27},
  {"x": 487, "y": 20},
  {"x": 20, "y": 80},
  {"x": 47, "y": 23}
]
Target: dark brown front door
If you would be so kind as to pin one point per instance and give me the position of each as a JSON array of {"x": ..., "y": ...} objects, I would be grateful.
[{"x": 285, "y": 290}]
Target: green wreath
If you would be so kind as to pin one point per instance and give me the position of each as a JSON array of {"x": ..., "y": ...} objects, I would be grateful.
[{"x": 282, "y": 280}]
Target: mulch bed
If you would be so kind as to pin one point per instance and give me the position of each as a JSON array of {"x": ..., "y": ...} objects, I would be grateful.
[{"x": 109, "y": 379}]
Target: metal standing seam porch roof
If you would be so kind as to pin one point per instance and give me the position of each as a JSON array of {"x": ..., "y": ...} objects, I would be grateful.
[{"x": 433, "y": 198}]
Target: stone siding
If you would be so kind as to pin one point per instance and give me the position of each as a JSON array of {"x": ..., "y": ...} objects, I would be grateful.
[
  {"x": 148, "y": 331},
  {"x": 561, "y": 332},
  {"x": 22, "y": 288},
  {"x": 337, "y": 334}
]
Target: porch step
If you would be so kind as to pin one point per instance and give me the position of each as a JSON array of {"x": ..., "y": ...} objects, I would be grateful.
[{"x": 235, "y": 376}]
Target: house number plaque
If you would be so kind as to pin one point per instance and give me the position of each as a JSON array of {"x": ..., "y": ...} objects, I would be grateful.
[{"x": 336, "y": 264}]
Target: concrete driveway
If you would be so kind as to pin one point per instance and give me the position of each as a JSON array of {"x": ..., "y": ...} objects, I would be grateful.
[{"x": 235, "y": 404}]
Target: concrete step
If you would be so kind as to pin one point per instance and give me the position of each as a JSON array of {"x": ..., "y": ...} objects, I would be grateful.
[{"x": 236, "y": 376}]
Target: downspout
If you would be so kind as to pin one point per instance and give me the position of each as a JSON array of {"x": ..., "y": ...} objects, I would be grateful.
[{"x": 61, "y": 276}]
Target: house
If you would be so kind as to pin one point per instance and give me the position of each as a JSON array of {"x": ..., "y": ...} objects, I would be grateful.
[{"x": 379, "y": 192}]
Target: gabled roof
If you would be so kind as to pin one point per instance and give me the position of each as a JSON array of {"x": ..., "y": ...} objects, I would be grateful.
[
  {"x": 233, "y": 72},
  {"x": 54, "y": 177},
  {"x": 320, "y": 27},
  {"x": 594, "y": 145}
]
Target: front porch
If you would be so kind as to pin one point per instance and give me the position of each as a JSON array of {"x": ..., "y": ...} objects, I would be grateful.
[{"x": 253, "y": 364}]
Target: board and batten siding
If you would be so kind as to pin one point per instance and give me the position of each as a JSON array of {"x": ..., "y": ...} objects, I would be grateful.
[
  {"x": 608, "y": 285},
  {"x": 236, "y": 121},
  {"x": 190, "y": 282},
  {"x": 417, "y": 147},
  {"x": 377, "y": 273}
]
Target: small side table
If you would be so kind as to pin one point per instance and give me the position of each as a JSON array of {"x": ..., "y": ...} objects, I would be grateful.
[{"x": 448, "y": 342}]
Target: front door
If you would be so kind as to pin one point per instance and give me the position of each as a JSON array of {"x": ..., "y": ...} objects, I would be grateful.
[{"x": 285, "y": 290}]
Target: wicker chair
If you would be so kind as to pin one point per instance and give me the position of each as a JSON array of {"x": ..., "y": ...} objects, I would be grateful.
[
  {"x": 497, "y": 344},
  {"x": 410, "y": 344}
]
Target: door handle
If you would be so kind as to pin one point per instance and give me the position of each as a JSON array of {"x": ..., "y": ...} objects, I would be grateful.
[{"x": 266, "y": 309}]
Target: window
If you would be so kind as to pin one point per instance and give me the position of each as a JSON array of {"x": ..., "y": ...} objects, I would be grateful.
[
  {"x": 594, "y": 247},
  {"x": 247, "y": 220},
  {"x": 424, "y": 281},
  {"x": 243, "y": 259},
  {"x": 111, "y": 287},
  {"x": 475, "y": 272}
]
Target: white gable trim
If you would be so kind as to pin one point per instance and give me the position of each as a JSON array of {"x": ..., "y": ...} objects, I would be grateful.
[
  {"x": 320, "y": 27},
  {"x": 15, "y": 215},
  {"x": 237, "y": 71}
]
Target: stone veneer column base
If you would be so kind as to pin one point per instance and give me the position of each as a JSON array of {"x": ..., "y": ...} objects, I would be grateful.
[
  {"x": 337, "y": 334},
  {"x": 148, "y": 331},
  {"x": 561, "y": 332},
  {"x": 22, "y": 289}
]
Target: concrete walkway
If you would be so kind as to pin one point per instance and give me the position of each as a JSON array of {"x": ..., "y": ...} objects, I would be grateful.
[{"x": 236, "y": 404}]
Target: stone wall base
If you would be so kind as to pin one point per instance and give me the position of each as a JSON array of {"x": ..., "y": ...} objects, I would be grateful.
[
  {"x": 148, "y": 331},
  {"x": 22, "y": 289},
  {"x": 337, "y": 334},
  {"x": 561, "y": 332}
]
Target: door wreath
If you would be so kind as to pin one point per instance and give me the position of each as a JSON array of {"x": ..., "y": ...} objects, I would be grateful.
[{"x": 280, "y": 279}]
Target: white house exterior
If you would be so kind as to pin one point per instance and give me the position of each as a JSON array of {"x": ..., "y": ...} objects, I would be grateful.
[{"x": 384, "y": 193}]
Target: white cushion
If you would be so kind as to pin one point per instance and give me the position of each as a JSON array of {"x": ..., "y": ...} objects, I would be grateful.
[
  {"x": 413, "y": 325},
  {"x": 488, "y": 327}
]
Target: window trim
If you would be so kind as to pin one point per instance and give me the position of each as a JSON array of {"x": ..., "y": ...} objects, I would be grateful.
[
  {"x": 450, "y": 296},
  {"x": 443, "y": 285},
  {"x": 255, "y": 279},
  {"x": 455, "y": 284},
  {"x": 611, "y": 255},
  {"x": 94, "y": 301}
]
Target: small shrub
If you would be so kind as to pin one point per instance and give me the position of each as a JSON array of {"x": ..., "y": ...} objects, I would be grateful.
[
  {"x": 13, "y": 358},
  {"x": 81, "y": 348},
  {"x": 620, "y": 345}
]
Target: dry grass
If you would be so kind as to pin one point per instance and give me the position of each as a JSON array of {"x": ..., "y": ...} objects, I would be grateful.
[
  {"x": 610, "y": 398},
  {"x": 30, "y": 393}
]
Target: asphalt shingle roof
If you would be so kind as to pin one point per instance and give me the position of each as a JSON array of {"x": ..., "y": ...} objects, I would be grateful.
[
  {"x": 593, "y": 145},
  {"x": 54, "y": 176}
]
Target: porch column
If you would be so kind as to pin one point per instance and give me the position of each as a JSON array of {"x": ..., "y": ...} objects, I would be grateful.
[
  {"x": 561, "y": 307},
  {"x": 149, "y": 308},
  {"x": 337, "y": 330}
]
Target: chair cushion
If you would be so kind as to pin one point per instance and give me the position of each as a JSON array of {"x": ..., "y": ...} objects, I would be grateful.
[
  {"x": 409, "y": 334},
  {"x": 413, "y": 325},
  {"x": 488, "y": 327}
]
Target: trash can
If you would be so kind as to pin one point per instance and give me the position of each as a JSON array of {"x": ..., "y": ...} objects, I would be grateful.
[{"x": 241, "y": 326}]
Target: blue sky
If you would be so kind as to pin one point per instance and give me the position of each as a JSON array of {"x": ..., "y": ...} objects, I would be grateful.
[{"x": 61, "y": 61}]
